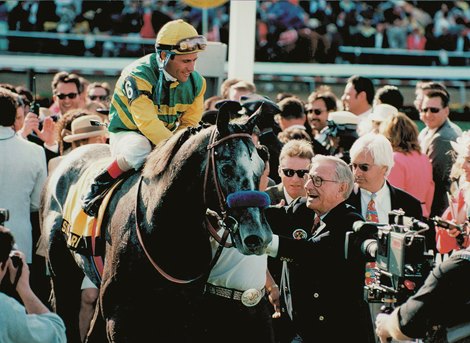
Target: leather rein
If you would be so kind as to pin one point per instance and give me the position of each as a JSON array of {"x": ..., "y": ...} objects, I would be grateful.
[{"x": 221, "y": 218}]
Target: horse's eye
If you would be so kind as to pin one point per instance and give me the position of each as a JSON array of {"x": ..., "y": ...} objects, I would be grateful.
[{"x": 226, "y": 170}]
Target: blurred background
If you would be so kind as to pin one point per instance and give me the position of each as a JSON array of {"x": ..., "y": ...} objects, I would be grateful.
[{"x": 299, "y": 45}]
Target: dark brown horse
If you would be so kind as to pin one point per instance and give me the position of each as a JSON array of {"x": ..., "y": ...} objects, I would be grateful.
[{"x": 151, "y": 284}]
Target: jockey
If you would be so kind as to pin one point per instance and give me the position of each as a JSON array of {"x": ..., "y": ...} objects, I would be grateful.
[{"x": 154, "y": 97}]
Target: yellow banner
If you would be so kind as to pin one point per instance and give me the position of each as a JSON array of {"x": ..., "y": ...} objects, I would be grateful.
[{"x": 204, "y": 3}]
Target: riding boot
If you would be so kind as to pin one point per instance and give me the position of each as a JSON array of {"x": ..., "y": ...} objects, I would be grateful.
[
  {"x": 101, "y": 184},
  {"x": 92, "y": 200}
]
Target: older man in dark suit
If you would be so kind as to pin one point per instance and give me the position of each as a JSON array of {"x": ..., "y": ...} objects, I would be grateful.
[
  {"x": 371, "y": 161},
  {"x": 326, "y": 287}
]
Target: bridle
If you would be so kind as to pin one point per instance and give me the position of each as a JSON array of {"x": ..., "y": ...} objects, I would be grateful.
[{"x": 223, "y": 220}]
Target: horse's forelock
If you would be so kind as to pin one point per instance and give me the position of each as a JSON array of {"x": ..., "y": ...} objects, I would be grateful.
[{"x": 161, "y": 156}]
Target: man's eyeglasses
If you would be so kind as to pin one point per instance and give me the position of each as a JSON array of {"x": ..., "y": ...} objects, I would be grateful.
[
  {"x": 316, "y": 180},
  {"x": 362, "y": 166},
  {"x": 69, "y": 95},
  {"x": 290, "y": 172},
  {"x": 431, "y": 109},
  {"x": 98, "y": 97},
  {"x": 316, "y": 111}
]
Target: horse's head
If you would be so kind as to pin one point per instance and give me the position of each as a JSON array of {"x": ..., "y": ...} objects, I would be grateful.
[{"x": 235, "y": 169}]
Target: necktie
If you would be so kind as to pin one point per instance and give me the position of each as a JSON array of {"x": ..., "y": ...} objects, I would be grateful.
[
  {"x": 371, "y": 216},
  {"x": 316, "y": 223},
  {"x": 371, "y": 213}
]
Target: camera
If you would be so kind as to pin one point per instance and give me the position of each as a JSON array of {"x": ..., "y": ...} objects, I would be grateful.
[
  {"x": 4, "y": 216},
  {"x": 402, "y": 260}
]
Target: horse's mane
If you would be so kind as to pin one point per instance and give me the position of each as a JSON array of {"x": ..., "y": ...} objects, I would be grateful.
[{"x": 161, "y": 156}]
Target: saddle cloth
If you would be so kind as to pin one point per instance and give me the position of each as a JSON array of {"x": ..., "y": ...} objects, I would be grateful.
[{"x": 83, "y": 232}]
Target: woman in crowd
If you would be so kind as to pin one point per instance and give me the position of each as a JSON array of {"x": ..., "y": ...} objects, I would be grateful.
[{"x": 412, "y": 170}]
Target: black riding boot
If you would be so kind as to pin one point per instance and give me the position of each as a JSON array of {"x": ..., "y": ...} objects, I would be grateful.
[{"x": 92, "y": 200}]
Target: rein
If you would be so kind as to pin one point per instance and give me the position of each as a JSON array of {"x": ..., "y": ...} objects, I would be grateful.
[{"x": 222, "y": 240}]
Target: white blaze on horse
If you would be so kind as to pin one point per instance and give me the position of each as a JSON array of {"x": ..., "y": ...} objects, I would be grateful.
[{"x": 156, "y": 230}]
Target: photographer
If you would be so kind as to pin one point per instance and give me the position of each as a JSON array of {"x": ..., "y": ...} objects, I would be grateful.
[
  {"x": 33, "y": 322},
  {"x": 439, "y": 311}
]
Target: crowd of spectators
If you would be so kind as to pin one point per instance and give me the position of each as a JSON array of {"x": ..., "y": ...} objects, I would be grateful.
[{"x": 287, "y": 31}]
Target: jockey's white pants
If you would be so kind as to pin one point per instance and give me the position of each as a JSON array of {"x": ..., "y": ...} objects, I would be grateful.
[{"x": 130, "y": 148}]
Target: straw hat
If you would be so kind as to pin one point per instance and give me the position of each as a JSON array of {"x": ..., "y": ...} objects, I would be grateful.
[{"x": 82, "y": 128}]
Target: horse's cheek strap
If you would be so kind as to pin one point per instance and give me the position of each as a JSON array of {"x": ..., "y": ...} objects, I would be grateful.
[{"x": 248, "y": 199}]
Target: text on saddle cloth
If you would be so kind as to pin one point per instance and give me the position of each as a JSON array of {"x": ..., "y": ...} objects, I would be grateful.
[{"x": 82, "y": 231}]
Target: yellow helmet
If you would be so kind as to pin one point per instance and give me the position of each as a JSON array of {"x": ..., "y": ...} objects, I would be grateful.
[{"x": 180, "y": 38}]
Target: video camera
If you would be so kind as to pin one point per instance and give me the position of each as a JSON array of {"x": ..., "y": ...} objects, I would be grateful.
[{"x": 402, "y": 260}]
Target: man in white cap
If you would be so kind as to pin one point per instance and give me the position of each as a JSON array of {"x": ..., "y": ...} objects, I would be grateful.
[
  {"x": 155, "y": 96},
  {"x": 380, "y": 113}
]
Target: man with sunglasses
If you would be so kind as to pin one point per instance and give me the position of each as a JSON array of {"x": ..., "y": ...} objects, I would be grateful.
[
  {"x": 154, "y": 97},
  {"x": 371, "y": 162},
  {"x": 435, "y": 140},
  {"x": 294, "y": 161},
  {"x": 309, "y": 235}
]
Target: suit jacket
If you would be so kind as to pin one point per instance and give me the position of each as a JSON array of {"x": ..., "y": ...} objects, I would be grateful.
[
  {"x": 437, "y": 149},
  {"x": 23, "y": 173},
  {"x": 326, "y": 288},
  {"x": 399, "y": 199}
]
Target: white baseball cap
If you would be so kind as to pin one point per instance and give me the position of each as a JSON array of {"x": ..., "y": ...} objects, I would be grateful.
[
  {"x": 381, "y": 112},
  {"x": 343, "y": 118}
]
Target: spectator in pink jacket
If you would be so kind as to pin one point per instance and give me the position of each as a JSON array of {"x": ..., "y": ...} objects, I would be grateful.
[
  {"x": 458, "y": 210},
  {"x": 412, "y": 170}
]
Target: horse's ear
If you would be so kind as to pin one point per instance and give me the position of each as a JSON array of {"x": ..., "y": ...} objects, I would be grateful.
[
  {"x": 254, "y": 118},
  {"x": 226, "y": 110}
]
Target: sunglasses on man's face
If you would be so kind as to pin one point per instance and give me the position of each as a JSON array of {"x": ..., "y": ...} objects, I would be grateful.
[
  {"x": 98, "y": 97},
  {"x": 430, "y": 109},
  {"x": 316, "y": 111},
  {"x": 362, "y": 166},
  {"x": 69, "y": 95},
  {"x": 290, "y": 172}
]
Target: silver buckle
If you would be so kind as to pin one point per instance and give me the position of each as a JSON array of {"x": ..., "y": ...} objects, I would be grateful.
[{"x": 251, "y": 297}]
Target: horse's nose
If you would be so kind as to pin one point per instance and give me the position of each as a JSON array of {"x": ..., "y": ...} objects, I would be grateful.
[{"x": 253, "y": 242}]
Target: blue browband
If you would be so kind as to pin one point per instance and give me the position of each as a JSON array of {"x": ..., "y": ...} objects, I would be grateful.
[{"x": 248, "y": 199}]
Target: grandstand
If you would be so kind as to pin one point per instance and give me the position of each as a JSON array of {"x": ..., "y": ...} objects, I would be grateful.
[{"x": 338, "y": 39}]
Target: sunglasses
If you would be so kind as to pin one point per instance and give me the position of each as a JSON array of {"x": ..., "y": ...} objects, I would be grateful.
[
  {"x": 431, "y": 109},
  {"x": 69, "y": 95},
  {"x": 98, "y": 97},
  {"x": 316, "y": 111},
  {"x": 290, "y": 172},
  {"x": 316, "y": 180},
  {"x": 362, "y": 166}
]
